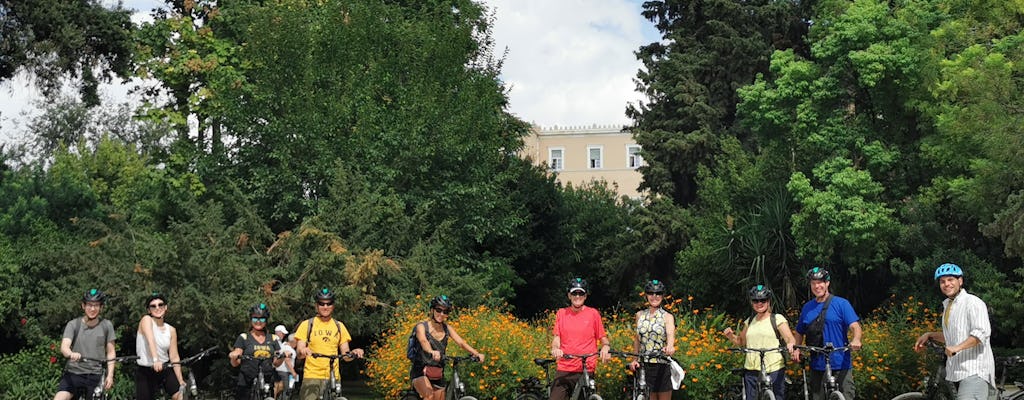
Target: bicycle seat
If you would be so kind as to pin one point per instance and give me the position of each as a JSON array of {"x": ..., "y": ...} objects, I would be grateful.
[{"x": 543, "y": 362}]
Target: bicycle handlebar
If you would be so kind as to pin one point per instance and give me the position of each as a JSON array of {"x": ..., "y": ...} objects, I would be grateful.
[
  {"x": 115, "y": 359},
  {"x": 755, "y": 351},
  {"x": 1010, "y": 361},
  {"x": 349, "y": 355},
  {"x": 828, "y": 349},
  {"x": 580, "y": 356},
  {"x": 658, "y": 354},
  {"x": 191, "y": 359}
]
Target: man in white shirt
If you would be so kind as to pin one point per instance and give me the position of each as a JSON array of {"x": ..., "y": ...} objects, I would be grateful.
[
  {"x": 966, "y": 332},
  {"x": 287, "y": 368}
]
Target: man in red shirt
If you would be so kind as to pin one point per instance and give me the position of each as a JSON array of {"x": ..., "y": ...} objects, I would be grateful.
[{"x": 578, "y": 328}]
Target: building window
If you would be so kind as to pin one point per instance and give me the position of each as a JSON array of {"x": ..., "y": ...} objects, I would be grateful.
[
  {"x": 556, "y": 159},
  {"x": 595, "y": 154},
  {"x": 633, "y": 158}
]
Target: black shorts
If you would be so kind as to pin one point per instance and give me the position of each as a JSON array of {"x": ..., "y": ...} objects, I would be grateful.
[
  {"x": 659, "y": 377},
  {"x": 148, "y": 382},
  {"x": 78, "y": 384}
]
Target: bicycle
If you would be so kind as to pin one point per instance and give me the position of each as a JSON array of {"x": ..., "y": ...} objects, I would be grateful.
[
  {"x": 764, "y": 383},
  {"x": 1007, "y": 362},
  {"x": 262, "y": 387},
  {"x": 935, "y": 385},
  {"x": 585, "y": 388},
  {"x": 832, "y": 390},
  {"x": 456, "y": 389},
  {"x": 638, "y": 389},
  {"x": 100, "y": 393},
  {"x": 532, "y": 388},
  {"x": 190, "y": 390},
  {"x": 332, "y": 391}
]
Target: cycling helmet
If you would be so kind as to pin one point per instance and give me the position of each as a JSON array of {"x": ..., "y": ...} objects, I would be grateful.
[
  {"x": 948, "y": 269},
  {"x": 259, "y": 311},
  {"x": 760, "y": 292},
  {"x": 577, "y": 284},
  {"x": 154, "y": 296},
  {"x": 441, "y": 301},
  {"x": 94, "y": 295},
  {"x": 818, "y": 274},
  {"x": 324, "y": 294},
  {"x": 654, "y": 286}
]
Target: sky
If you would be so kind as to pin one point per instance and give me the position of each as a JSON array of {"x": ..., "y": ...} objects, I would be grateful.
[{"x": 568, "y": 63}]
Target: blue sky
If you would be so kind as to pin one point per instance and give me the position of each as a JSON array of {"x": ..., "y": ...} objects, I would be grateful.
[{"x": 568, "y": 63}]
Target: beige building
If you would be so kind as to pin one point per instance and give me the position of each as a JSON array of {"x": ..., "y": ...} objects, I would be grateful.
[{"x": 578, "y": 155}]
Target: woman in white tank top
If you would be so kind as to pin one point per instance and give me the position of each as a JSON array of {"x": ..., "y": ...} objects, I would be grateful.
[{"x": 156, "y": 343}]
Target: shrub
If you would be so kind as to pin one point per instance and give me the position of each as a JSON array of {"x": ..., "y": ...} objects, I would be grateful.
[
  {"x": 885, "y": 366},
  {"x": 36, "y": 370}
]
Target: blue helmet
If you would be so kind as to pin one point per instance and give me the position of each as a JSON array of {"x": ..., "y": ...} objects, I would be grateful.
[{"x": 948, "y": 269}]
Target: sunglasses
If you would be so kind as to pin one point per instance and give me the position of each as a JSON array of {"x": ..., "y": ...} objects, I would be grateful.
[
  {"x": 325, "y": 304},
  {"x": 759, "y": 301},
  {"x": 443, "y": 311},
  {"x": 578, "y": 293},
  {"x": 157, "y": 305},
  {"x": 263, "y": 320},
  {"x": 656, "y": 294}
]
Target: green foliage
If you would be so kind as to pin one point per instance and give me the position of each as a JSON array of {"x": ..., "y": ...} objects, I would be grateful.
[{"x": 52, "y": 39}]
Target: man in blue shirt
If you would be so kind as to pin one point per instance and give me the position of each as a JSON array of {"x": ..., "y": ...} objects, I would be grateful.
[{"x": 840, "y": 319}]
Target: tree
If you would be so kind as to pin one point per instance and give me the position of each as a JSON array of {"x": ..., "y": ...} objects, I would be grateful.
[{"x": 53, "y": 39}]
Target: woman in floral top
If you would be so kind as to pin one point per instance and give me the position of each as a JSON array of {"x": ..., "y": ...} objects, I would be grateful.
[{"x": 655, "y": 331}]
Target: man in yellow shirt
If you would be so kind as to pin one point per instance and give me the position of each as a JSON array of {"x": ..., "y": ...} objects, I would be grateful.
[{"x": 322, "y": 335}]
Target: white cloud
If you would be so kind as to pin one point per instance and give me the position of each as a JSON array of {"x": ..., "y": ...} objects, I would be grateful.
[{"x": 570, "y": 62}]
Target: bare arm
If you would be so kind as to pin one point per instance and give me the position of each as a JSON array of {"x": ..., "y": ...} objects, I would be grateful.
[
  {"x": 556, "y": 347},
  {"x": 465, "y": 346},
  {"x": 421, "y": 336},
  {"x": 172, "y": 354},
  {"x": 787, "y": 335},
  {"x": 111, "y": 353},
  {"x": 670, "y": 334},
  {"x": 65, "y": 349},
  {"x": 146, "y": 330},
  {"x": 857, "y": 332}
]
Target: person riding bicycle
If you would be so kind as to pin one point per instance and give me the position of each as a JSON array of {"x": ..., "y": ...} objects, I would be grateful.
[
  {"x": 759, "y": 333},
  {"x": 839, "y": 320},
  {"x": 156, "y": 343},
  {"x": 655, "y": 331},
  {"x": 577, "y": 330},
  {"x": 260, "y": 346},
  {"x": 966, "y": 331},
  {"x": 432, "y": 334},
  {"x": 88, "y": 336},
  {"x": 321, "y": 334}
]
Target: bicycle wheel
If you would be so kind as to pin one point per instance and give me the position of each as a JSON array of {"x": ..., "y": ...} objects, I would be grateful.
[
  {"x": 766, "y": 394},
  {"x": 467, "y": 398},
  {"x": 836, "y": 395},
  {"x": 910, "y": 396},
  {"x": 594, "y": 396},
  {"x": 528, "y": 396}
]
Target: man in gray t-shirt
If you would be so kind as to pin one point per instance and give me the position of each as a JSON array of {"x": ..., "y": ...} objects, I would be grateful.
[{"x": 89, "y": 337}]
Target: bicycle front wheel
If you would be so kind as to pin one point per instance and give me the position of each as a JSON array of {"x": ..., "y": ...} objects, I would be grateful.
[
  {"x": 910, "y": 396},
  {"x": 467, "y": 398},
  {"x": 836, "y": 395},
  {"x": 528, "y": 396},
  {"x": 594, "y": 397},
  {"x": 768, "y": 394}
]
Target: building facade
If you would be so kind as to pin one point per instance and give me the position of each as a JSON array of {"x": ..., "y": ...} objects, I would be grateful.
[{"x": 579, "y": 155}]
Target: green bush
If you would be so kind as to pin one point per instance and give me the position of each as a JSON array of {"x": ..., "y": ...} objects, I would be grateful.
[{"x": 33, "y": 373}]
